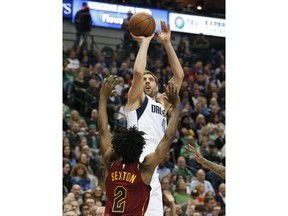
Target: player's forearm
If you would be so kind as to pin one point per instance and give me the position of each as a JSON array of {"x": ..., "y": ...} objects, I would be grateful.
[
  {"x": 178, "y": 73},
  {"x": 216, "y": 168},
  {"x": 102, "y": 116},
  {"x": 173, "y": 123},
  {"x": 141, "y": 58},
  {"x": 172, "y": 208}
]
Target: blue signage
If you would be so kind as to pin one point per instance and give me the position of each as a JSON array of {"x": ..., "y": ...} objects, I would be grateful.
[
  {"x": 67, "y": 8},
  {"x": 112, "y": 15}
]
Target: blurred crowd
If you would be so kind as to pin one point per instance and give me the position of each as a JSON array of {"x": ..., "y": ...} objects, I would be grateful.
[{"x": 194, "y": 189}]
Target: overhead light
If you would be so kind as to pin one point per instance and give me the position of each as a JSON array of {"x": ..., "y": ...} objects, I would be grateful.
[{"x": 199, "y": 7}]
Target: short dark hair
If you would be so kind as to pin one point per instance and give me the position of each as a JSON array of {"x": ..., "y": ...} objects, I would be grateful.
[
  {"x": 128, "y": 143},
  {"x": 152, "y": 74}
]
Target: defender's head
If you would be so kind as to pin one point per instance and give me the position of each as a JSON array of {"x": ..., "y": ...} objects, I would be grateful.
[{"x": 128, "y": 143}]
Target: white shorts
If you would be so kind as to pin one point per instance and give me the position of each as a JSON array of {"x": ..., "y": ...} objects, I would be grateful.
[{"x": 155, "y": 206}]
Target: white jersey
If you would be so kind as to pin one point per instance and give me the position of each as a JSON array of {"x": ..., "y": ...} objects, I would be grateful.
[{"x": 150, "y": 117}]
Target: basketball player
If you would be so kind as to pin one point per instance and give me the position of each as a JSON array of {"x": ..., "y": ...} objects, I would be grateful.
[
  {"x": 147, "y": 111},
  {"x": 128, "y": 180}
]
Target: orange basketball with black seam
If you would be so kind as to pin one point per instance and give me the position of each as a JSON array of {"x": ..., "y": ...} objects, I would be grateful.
[{"x": 142, "y": 24}]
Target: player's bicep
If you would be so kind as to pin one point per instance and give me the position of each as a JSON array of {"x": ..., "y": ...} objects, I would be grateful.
[{"x": 136, "y": 90}]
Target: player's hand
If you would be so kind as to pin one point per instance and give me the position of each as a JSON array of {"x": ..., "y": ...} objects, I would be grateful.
[
  {"x": 165, "y": 35},
  {"x": 172, "y": 93},
  {"x": 140, "y": 39},
  {"x": 168, "y": 195},
  {"x": 107, "y": 88},
  {"x": 198, "y": 156}
]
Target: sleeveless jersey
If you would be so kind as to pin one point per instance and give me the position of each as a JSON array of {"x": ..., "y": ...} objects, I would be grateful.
[
  {"x": 125, "y": 190},
  {"x": 150, "y": 117}
]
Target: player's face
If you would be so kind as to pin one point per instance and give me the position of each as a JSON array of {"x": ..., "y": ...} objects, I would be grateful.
[{"x": 150, "y": 88}]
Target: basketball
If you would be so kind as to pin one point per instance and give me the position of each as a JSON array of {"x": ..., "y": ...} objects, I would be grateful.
[{"x": 142, "y": 24}]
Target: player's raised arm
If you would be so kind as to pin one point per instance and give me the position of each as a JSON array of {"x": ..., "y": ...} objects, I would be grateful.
[
  {"x": 216, "y": 168},
  {"x": 136, "y": 94},
  {"x": 153, "y": 159},
  {"x": 165, "y": 38},
  {"x": 106, "y": 90}
]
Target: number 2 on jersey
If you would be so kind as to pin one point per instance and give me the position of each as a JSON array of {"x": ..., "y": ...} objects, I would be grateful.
[{"x": 119, "y": 199}]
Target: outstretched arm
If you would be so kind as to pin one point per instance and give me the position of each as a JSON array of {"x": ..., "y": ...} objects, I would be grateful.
[
  {"x": 152, "y": 160},
  {"x": 167, "y": 194},
  {"x": 105, "y": 138},
  {"x": 136, "y": 94},
  {"x": 216, "y": 168},
  {"x": 164, "y": 36}
]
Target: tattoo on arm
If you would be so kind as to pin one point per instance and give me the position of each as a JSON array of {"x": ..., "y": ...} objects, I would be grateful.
[{"x": 218, "y": 169}]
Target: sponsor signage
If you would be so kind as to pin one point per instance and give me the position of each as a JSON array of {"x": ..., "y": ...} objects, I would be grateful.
[
  {"x": 67, "y": 8},
  {"x": 112, "y": 15},
  {"x": 197, "y": 24}
]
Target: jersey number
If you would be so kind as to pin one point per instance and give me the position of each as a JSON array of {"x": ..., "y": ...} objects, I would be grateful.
[
  {"x": 163, "y": 125},
  {"x": 119, "y": 199}
]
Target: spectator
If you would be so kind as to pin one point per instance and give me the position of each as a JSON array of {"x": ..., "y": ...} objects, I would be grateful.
[
  {"x": 99, "y": 197},
  {"x": 209, "y": 204},
  {"x": 86, "y": 195},
  {"x": 221, "y": 75},
  {"x": 190, "y": 209},
  {"x": 92, "y": 94},
  {"x": 113, "y": 104},
  {"x": 90, "y": 202},
  {"x": 79, "y": 175},
  {"x": 93, "y": 138},
  {"x": 162, "y": 170},
  {"x": 93, "y": 118},
  {"x": 201, "y": 42},
  {"x": 85, "y": 59},
  {"x": 68, "y": 155},
  {"x": 100, "y": 211},
  {"x": 75, "y": 117},
  {"x": 167, "y": 163},
  {"x": 69, "y": 197},
  {"x": 93, "y": 210},
  {"x": 129, "y": 43},
  {"x": 201, "y": 191},
  {"x": 70, "y": 213},
  {"x": 67, "y": 207},
  {"x": 166, "y": 183},
  {"x": 76, "y": 190},
  {"x": 221, "y": 195},
  {"x": 84, "y": 209},
  {"x": 78, "y": 92},
  {"x": 217, "y": 211},
  {"x": 181, "y": 169},
  {"x": 189, "y": 206},
  {"x": 67, "y": 185},
  {"x": 78, "y": 148},
  {"x": 75, "y": 205},
  {"x": 120, "y": 85},
  {"x": 220, "y": 141},
  {"x": 181, "y": 196},
  {"x": 83, "y": 24},
  {"x": 200, "y": 177},
  {"x": 84, "y": 159},
  {"x": 73, "y": 135},
  {"x": 93, "y": 157}
]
